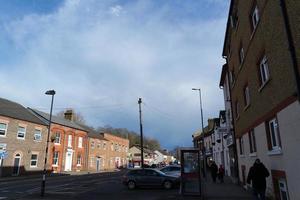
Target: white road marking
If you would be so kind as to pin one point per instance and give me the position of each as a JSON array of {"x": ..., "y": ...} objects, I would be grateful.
[{"x": 3, "y": 197}]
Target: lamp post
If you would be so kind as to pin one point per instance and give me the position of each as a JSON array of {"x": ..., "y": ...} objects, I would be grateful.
[
  {"x": 52, "y": 93},
  {"x": 203, "y": 146},
  {"x": 141, "y": 131}
]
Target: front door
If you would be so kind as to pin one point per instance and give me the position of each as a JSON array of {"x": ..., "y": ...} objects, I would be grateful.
[
  {"x": 98, "y": 162},
  {"x": 68, "y": 164},
  {"x": 16, "y": 168}
]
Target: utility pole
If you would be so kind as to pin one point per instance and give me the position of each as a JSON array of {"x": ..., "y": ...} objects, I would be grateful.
[{"x": 141, "y": 131}]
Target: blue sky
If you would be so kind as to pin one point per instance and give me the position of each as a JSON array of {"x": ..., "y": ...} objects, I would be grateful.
[{"x": 101, "y": 56}]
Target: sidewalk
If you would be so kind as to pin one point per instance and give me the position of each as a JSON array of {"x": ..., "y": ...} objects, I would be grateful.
[{"x": 224, "y": 191}]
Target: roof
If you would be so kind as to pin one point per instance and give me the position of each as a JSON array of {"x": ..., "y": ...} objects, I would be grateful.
[
  {"x": 57, "y": 120},
  {"x": 144, "y": 149},
  {"x": 227, "y": 27},
  {"x": 17, "y": 111},
  {"x": 92, "y": 133},
  {"x": 208, "y": 130}
]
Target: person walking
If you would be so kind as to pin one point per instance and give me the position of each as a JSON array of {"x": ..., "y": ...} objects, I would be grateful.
[
  {"x": 257, "y": 175},
  {"x": 221, "y": 172},
  {"x": 214, "y": 171}
]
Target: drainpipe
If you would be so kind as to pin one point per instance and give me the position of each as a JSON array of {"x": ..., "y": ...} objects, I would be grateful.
[{"x": 291, "y": 45}]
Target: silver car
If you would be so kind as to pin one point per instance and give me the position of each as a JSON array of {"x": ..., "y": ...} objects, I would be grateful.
[{"x": 173, "y": 170}]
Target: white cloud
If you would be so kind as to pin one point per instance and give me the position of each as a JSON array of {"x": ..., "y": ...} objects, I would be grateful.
[{"x": 116, "y": 10}]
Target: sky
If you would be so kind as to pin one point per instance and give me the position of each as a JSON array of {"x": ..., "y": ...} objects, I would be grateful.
[{"x": 101, "y": 56}]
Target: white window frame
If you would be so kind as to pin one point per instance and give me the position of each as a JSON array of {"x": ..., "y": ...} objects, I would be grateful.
[
  {"x": 5, "y": 130},
  {"x": 34, "y": 160},
  {"x": 57, "y": 135},
  {"x": 3, "y": 147},
  {"x": 274, "y": 134},
  {"x": 69, "y": 140},
  {"x": 21, "y": 132},
  {"x": 35, "y": 134},
  {"x": 104, "y": 145},
  {"x": 79, "y": 142},
  {"x": 264, "y": 70},
  {"x": 247, "y": 95},
  {"x": 252, "y": 138},
  {"x": 55, "y": 158},
  {"x": 255, "y": 17},
  {"x": 92, "y": 144}
]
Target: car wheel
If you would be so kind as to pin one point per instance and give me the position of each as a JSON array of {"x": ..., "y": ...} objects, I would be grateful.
[
  {"x": 131, "y": 185},
  {"x": 167, "y": 185}
]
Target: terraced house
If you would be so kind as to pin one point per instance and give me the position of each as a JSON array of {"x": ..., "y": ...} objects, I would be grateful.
[
  {"x": 69, "y": 143},
  {"x": 22, "y": 140},
  {"x": 262, "y": 52}
]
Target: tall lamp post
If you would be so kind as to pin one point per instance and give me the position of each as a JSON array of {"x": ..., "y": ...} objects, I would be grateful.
[
  {"x": 203, "y": 146},
  {"x": 141, "y": 130},
  {"x": 52, "y": 93}
]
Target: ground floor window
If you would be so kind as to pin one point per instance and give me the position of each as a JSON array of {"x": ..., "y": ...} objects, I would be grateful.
[
  {"x": 78, "y": 160},
  {"x": 280, "y": 184},
  {"x": 55, "y": 158},
  {"x": 33, "y": 160}
]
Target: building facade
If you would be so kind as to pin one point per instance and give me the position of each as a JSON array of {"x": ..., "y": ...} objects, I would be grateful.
[
  {"x": 23, "y": 139},
  {"x": 117, "y": 150},
  {"x": 68, "y": 145},
  {"x": 261, "y": 48}
]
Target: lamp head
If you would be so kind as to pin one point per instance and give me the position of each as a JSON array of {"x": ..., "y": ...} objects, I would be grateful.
[{"x": 50, "y": 92}]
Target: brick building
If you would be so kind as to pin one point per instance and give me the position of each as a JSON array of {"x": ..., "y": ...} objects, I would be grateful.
[
  {"x": 117, "y": 149},
  {"x": 23, "y": 139},
  {"x": 262, "y": 51},
  {"x": 69, "y": 143}
]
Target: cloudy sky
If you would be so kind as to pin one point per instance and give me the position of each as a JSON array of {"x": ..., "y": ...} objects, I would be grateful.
[{"x": 101, "y": 56}]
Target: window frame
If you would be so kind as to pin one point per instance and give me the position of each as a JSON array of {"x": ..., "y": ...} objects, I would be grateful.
[
  {"x": 246, "y": 93},
  {"x": 78, "y": 160},
  {"x": 5, "y": 130},
  {"x": 264, "y": 72},
  {"x": 254, "y": 17},
  {"x": 34, "y": 160},
  {"x": 274, "y": 143},
  {"x": 80, "y": 142},
  {"x": 35, "y": 133},
  {"x": 70, "y": 138},
  {"x": 22, "y": 132},
  {"x": 252, "y": 141},
  {"x": 57, "y": 137},
  {"x": 55, "y": 158}
]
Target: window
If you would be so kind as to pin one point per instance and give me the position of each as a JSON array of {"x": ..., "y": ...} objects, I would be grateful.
[
  {"x": 252, "y": 141},
  {"x": 273, "y": 134},
  {"x": 234, "y": 20},
  {"x": 254, "y": 18},
  {"x": 283, "y": 189},
  {"x": 78, "y": 160},
  {"x": 33, "y": 160},
  {"x": 241, "y": 55},
  {"x": 98, "y": 145},
  {"x": 112, "y": 146},
  {"x": 3, "y": 129},
  {"x": 55, "y": 158},
  {"x": 241, "y": 144},
  {"x": 232, "y": 77},
  {"x": 21, "y": 132},
  {"x": 246, "y": 95},
  {"x": 104, "y": 145},
  {"x": 2, "y": 147},
  {"x": 57, "y": 138},
  {"x": 92, "y": 144},
  {"x": 264, "y": 70},
  {"x": 37, "y": 135},
  {"x": 69, "y": 140},
  {"x": 80, "y": 142}
]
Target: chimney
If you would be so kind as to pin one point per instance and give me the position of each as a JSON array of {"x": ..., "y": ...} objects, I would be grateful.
[{"x": 69, "y": 115}]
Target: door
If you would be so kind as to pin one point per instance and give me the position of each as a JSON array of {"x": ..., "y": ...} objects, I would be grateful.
[
  {"x": 16, "y": 168},
  {"x": 98, "y": 164},
  {"x": 68, "y": 164}
]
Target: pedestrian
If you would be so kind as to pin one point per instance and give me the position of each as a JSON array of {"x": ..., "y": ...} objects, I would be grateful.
[
  {"x": 221, "y": 172},
  {"x": 257, "y": 175},
  {"x": 214, "y": 171}
]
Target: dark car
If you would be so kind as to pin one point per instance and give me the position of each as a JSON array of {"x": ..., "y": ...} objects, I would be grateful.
[
  {"x": 173, "y": 170},
  {"x": 149, "y": 178}
]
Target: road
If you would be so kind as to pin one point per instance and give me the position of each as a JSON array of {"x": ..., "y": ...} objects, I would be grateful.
[{"x": 89, "y": 186}]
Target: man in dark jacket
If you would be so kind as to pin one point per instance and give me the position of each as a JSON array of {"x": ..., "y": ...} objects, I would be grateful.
[
  {"x": 257, "y": 175},
  {"x": 214, "y": 171}
]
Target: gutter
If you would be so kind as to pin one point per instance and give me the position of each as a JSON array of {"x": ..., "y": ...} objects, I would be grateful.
[{"x": 291, "y": 45}]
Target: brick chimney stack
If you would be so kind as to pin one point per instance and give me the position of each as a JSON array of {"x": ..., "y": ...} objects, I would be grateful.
[{"x": 69, "y": 115}]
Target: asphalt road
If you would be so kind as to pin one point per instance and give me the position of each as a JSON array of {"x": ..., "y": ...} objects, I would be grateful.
[{"x": 90, "y": 186}]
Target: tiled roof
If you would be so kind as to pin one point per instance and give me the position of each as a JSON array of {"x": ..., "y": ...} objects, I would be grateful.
[
  {"x": 57, "y": 120},
  {"x": 17, "y": 111}
]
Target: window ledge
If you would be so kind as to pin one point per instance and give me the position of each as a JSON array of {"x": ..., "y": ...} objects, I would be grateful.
[
  {"x": 253, "y": 154},
  {"x": 20, "y": 138},
  {"x": 3, "y": 136},
  {"x": 54, "y": 165},
  {"x": 33, "y": 166},
  {"x": 56, "y": 143},
  {"x": 263, "y": 85},
  {"x": 277, "y": 151},
  {"x": 78, "y": 165},
  {"x": 242, "y": 156}
]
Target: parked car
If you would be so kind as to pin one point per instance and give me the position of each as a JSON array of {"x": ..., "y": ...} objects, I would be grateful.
[
  {"x": 173, "y": 170},
  {"x": 149, "y": 178}
]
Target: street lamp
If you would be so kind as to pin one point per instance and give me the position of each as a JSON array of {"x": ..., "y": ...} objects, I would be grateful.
[
  {"x": 52, "y": 93},
  {"x": 203, "y": 146}
]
